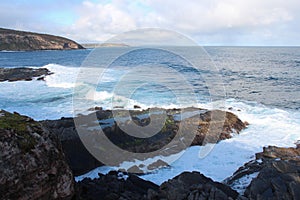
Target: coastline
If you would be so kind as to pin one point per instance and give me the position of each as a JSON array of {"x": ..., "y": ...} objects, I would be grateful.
[{"x": 271, "y": 160}]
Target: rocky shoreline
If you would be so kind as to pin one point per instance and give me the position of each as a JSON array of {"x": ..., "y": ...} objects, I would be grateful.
[
  {"x": 276, "y": 177},
  {"x": 81, "y": 161},
  {"x": 23, "y": 74},
  {"x": 39, "y": 160}
]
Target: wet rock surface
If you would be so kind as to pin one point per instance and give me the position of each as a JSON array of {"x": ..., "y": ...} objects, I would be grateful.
[
  {"x": 23, "y": 74},
  {"x": 193, "y": 185},
  {"x": 188, "y": 185},
  {"x": 277, "y": 174},
  {"x": 208, "y": 126},
  {"x": 114, "y": 185},
  {"x": 32, "y": 164}
]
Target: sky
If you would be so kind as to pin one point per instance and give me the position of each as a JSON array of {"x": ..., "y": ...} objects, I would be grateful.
[{"x": 208, "y": 22}]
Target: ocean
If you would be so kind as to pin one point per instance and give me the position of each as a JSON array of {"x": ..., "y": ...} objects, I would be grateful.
[{"x": 259, "y": 84}]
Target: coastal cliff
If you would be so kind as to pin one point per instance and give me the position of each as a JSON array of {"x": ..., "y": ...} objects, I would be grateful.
[
  {"x": 13, "y": 40},
  {"x": 33, "y": 165}
]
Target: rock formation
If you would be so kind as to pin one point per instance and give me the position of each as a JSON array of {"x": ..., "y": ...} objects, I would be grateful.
[
  {"x": 32, "y": 164},
  {"x": 276, "y": 174},
  {"x": 81, "y": 161},
  {"x": 13, "y": 40},
  {"x": 27, "y": 74},
  {"x": 188, "y": 185},
  {"x": 114, "y": 185}
]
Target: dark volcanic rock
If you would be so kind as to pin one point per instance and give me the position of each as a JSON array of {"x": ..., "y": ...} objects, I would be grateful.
[
  {"x": 217, "y": 125},
  {"x": 13, "y": 40},
  {"x": 32, "y": 164},
  {"x": 193, "y": 185},
  {"x": 276, "y": 180},
  {"x": 17, "y": 74},
  {"x": 114, "y": 186},
  {"x": 188, "y": 185},
  {"x": 77, "y": 156},
  {"x": 277, "y": 174},
  {"x": 207, "y": 129}
]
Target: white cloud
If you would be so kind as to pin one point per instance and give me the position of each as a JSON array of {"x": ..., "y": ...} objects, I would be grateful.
[
  {"x": 208, "y": 21},
  {"x": 216, "y": 18},
  {"x": 101, "y": 21}
]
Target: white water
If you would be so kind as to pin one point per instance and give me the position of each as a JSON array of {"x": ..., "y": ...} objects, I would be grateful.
[
  {"x": 52, "y": 99},
  {"x": 268, "y": 126}
]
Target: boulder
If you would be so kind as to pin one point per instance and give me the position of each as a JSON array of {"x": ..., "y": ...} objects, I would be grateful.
[
  {"x": 114, "y": 185},
  {"x": 274, "y": 174},
  {"x": 276, "y": 180},
  {"x": 193, "y": 185},
  {"x": 32, "y": 163}
]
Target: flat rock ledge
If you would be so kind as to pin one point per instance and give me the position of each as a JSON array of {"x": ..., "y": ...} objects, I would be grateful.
[
  {"x": 23, "y": 74},
  {"x": 207, "y": 129}
]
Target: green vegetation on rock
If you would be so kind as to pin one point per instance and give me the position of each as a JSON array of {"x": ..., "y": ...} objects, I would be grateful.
[{"x": 20, "y": 126}]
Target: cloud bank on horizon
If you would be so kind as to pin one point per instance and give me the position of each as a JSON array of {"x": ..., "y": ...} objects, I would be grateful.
[{"x": 214, "y": 22}]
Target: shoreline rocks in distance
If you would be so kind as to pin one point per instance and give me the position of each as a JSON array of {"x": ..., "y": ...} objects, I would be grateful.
[
  {"x": 23, "y": 74},
  {"x": 15, "y": 40}
]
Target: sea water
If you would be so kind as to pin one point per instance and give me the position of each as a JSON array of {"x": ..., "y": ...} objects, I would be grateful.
[{"x": 261, "y": 86}]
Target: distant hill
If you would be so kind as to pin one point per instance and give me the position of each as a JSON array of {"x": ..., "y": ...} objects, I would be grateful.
[
  {"x": 97, "y": 45},
  {"x": 13, "y": 40}
]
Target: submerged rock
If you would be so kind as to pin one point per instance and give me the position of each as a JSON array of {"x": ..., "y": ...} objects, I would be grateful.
[
  {"x": 22, "y": 73},
  {"x": 32, "y": 164}
]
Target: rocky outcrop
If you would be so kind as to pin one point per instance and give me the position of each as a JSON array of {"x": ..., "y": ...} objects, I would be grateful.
[
  {"x": 81, "y": 161},
  {"x": 188, "y": 185},
  {"x": 26, "y": 74},
  {"x": 77, "y": 156},
  {"x": 217, "y": 125},
  {"x": 193, "y": 185},
  {"x": 13, "y": 40},
  {"x": 115, "y": 185},
  {"x": 275, "y": 174},
  {"x": 32, "y": 164}
]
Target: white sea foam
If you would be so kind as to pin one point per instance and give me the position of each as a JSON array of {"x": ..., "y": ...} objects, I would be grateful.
[
  {"x": 268, "y": 126},
  {"x": 63, "y": 77},
  {"x": 52, "y": 99},
  {"x": 241, "y": 184}
]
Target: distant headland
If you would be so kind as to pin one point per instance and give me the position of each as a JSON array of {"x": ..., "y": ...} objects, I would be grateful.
[{"x": 14, "y": 40}]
